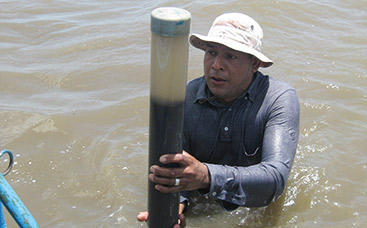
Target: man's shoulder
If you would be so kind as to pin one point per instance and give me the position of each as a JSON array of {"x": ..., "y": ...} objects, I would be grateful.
[
  {"x": 280, "y": 89},
  {"x": 277, "y": 86},
  {"x": 270, "y": 88},
  {"x": 195, "y": 83},
  {"x": 280, "y": 84},
  {"x": 194, "y": 87}
]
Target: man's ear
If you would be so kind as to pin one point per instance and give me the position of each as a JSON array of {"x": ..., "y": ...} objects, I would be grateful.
[{"x": 255, "y": 64}]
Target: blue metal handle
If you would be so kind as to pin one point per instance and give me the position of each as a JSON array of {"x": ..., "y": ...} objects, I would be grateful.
[
  {"x": 11, "y": 161},
  {"x": 2, "y": 218},
  {"x": 13, "y": 203}
]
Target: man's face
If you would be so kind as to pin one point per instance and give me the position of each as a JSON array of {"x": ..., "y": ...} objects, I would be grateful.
[{"x": 228, "y": 73}]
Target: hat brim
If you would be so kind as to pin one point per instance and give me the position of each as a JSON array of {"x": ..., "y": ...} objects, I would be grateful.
[{"x": 200, "y": 41}]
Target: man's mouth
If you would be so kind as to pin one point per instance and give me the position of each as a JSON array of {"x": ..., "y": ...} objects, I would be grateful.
[{"x": 217, "y": 80}]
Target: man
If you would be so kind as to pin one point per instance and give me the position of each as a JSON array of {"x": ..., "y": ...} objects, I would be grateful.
[{"x": 240, "y": 127}]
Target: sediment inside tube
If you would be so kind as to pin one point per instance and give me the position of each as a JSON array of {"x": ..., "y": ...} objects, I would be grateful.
[{"x": 169, "y": 57}]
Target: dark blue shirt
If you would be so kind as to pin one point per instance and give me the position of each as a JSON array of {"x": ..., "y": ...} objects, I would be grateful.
[{"x": 248, "y": 146}]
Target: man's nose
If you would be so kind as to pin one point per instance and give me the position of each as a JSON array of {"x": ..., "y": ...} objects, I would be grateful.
[{"x": 218, "y": 63}]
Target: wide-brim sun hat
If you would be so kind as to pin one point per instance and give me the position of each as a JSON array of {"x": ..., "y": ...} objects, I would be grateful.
[{"x": 236, "y": 31}]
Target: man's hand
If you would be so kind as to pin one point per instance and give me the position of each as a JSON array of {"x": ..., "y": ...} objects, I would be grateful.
[
  {"x": 143, "y": 217},
  {"x": 191, "y": 173}
]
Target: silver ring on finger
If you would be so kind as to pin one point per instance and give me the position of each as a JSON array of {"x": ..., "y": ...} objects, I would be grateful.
[{"x": 177, "y": 181}]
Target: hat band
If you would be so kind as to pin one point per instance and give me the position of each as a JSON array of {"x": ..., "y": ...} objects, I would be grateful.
[{"x": 236, "y": 35}]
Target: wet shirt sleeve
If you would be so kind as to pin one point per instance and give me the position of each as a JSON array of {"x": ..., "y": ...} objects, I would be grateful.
[{"x": 258, "y": 185}]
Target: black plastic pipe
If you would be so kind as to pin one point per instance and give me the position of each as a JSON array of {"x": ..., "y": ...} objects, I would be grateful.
[{"x": 170, "y": 28}]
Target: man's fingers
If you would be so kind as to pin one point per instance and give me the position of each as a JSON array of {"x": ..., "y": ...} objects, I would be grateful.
[
  {"x": 168, "y": 189},
  {"x": 143, "y": 216},
  {"x": 163, "y": 180},
  {"x": 167, "y": 185},
  {"x": 182, "y": 159},
  {"x": 170, "y": 158},
  {"x": 166, "y": 172}
]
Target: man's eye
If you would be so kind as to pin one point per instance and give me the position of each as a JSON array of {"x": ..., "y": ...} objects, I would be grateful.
[
  {"x": 232, "y": 57},
  {"x": 211, "y": 52}
]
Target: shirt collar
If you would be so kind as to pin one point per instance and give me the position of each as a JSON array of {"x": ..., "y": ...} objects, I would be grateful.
[
  {"x": 254, "y": 86},
  {"x": 203, "y": 94}
]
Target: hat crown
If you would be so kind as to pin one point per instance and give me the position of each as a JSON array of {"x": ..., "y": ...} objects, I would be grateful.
[{"x": 238, "y": 27}]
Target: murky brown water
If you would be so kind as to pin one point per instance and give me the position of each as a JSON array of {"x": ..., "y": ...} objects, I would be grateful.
[{"x": 74, "y": 87}]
